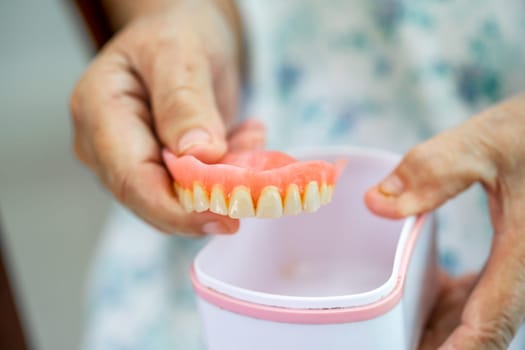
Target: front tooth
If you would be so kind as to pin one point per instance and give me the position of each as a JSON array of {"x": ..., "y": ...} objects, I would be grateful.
[
  {"x": 269, "y": 204},
  {"x": 325, "y": 194},
  {"x": 292, "y": 201},
  {"x": 217, "y": 201},
  {"x": 311, "y": 199},
  {"x": 241, "y": 204},
  {"x": 187, "y": 199},
  {"x": 330, "y": 192},
  {"x": 200, "y": 198}
]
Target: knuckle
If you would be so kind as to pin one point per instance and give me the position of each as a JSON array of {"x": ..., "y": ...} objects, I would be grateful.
[
  {"x": 422, "y": 159},
  {"x": 122, "y": 186},
  {"x": 438, "y": 159},
  {"x": 165, "y": 41},
  {"x": 417, "y": 155}
]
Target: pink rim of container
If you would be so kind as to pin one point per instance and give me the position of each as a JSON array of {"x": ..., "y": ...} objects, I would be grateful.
[{"x": 321, "y": 315}]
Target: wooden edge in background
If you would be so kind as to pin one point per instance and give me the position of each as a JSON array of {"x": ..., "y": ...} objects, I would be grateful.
[{"x": 12, "y": 334}]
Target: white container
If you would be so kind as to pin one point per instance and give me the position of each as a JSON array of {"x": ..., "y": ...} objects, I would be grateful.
[{"x": 341, "y": 278}]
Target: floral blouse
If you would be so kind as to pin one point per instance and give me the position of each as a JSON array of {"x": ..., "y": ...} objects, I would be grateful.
[{"x": 374, "y": 73}]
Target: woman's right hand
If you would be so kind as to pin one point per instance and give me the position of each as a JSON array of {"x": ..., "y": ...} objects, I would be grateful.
[{"x": 168, "y": 80}]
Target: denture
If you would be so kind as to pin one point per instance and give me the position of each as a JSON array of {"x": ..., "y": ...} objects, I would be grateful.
[{"x": 264, "y": 184}]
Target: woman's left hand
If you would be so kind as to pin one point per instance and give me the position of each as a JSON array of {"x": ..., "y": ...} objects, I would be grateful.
[{"x": 474, "y": 312}]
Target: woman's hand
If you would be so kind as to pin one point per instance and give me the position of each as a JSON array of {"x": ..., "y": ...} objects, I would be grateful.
[
  {"x": 485, "y": 311},
  {"x": 168, "y": 79}
]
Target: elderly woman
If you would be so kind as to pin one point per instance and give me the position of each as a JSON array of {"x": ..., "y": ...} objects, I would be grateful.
[{"x": 382, "y": 73}]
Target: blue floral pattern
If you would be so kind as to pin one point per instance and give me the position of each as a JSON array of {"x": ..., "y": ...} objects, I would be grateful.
[{"x": 381, "y": 73}]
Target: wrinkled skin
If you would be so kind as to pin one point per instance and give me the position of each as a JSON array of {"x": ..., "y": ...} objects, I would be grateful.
[
  {"x": 474, "y": 312},
  {"x": 163, "y": 75},
  {"x": 166, "y": 74}
]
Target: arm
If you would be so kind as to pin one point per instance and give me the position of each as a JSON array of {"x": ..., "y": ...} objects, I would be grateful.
[
  {"x": 105, "y": 17},
  {"x": 121, "y": 12}
]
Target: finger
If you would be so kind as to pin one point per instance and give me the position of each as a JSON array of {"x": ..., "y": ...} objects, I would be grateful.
[
  {"x": 446, "y": 314},
  {"x": 147, "y": 190},
  {"x": 180, "y": 81},
  {"x": 251, "y": 134},
  {"x": 127, "y": 154},
  {"x": 496, "y": 307},
  {"x": 433, "y": 172}
]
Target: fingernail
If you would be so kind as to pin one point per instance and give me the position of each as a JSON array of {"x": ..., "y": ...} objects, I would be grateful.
[
  {"x": 192, "y": 138},
  {"x": 215, "y": 227},
  {"x": 391, "y": 186}
]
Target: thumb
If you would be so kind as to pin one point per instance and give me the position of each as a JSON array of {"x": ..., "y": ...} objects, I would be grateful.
[
  {"x": 185, "y": 113},
  {"x": 433, "y": 172}
]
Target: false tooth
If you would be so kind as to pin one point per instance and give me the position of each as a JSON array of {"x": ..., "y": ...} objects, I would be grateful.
[
  {"x": 292, "y": 201},
  {"x": 179, "y": 190},
  {"x": 241, "y": 204},
  {"x": 187, "y": 199},
  {"x": 325, "y": 194},
  {"x": 218, "y": 202},
  {"x": 269, "y": 204},
  {"x": 311, "y": 199},
  {"x": 330, "y": 193},
  {"x": 200, "y": 198}
]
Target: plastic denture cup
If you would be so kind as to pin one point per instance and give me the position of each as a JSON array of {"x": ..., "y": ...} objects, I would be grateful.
[{"x": 340, "y": 278}]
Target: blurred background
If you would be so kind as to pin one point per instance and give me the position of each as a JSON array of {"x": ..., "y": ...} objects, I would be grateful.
[{"x": 50, "y": 207}]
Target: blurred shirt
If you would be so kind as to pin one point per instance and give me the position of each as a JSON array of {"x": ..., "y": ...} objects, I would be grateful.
[{"x": 386, "y": 74}]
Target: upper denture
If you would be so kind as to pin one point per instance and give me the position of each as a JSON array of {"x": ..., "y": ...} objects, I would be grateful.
[{"x": 256, "y": 183}]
